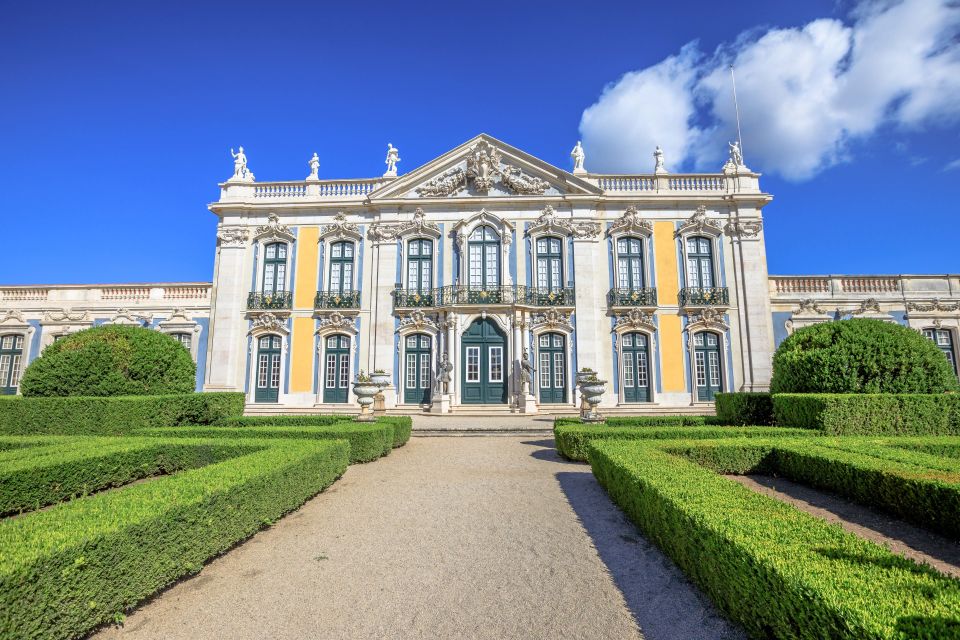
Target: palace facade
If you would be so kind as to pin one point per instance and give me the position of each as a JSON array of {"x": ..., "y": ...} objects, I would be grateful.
[{"x": 489, "y": 268}]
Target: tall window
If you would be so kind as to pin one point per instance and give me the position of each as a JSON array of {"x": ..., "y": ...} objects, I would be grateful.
[
  {"x": 268, "y": 369},
  {"x": 549, "y": 264},
  {"x": 420, "y": 265},
  {"x": 11, "y": 358},
  {"x": 699, "y": 263},
  {"x": 944, "y": 340},
  {"x": 709, "y": 375},
  {"x": 275, "y": 268},
  {"x": 630, "y": 263},
  {"x": 341, "y": 267},
  {"x": 483, "y": 248}
]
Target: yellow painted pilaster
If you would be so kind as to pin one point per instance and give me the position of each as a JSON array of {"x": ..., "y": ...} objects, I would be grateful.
[
  {"x": 302, "y": 355},
  {"x": 670, "y": 339},
  {"x": 305, "y": 282}
]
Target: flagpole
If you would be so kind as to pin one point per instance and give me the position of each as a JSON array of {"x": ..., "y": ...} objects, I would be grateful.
[{"x": 736, "y": 107}]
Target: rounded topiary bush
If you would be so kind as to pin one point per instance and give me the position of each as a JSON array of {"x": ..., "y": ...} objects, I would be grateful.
[
  {"x": 111, "y": 360},
  {"x": 860, "y": 356}
]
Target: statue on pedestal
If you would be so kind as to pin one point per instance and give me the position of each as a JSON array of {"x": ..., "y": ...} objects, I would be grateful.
[
  {"x": 658, "y": 161},
  {"x": 314, "y": 167},
  {"x": 240, "y": 170},
  {"x": 393, "y": 157},
  {"x": 444, "y": 379},
  {"x": 526, "y": 372},
  {"x": 578, "y": 157},
  {"x": 736, "y": 157}
]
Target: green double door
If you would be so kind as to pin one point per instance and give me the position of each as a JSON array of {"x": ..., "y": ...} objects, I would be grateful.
[
  {"x": 553, "y": 368},
  {"x": 417, "y": 369},
  {"x": 268, "y": 369},
  {"x": 636, "y": 368},
  {"x": 709, "y": 374},
  {"x": 483, "y": 369},
  {"x": 336, "y": 369}
]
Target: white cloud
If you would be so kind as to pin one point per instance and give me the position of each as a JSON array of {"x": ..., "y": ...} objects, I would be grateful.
[
  {"x": 805, "y": 93},
  {"x": 952, "y": 166}
]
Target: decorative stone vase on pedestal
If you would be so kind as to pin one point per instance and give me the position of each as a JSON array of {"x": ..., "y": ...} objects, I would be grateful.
[
  {"x": 592, "y": 391},
  {"x": 582, "y": 376},
  {"x": 365, "y": 390}
]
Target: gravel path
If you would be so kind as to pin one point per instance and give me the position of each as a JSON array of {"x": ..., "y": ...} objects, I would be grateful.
[{"x": 448, "y": 537}]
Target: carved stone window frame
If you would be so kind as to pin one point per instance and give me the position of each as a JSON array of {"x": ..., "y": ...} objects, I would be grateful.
[
  {"x": 637, "y": 321},
  {"x": 713, "y": 323},
  {"x": 336, "y": 324},
  {"x": 267, "y": 324},
  {"x": 502, "y": 227},
  {"x": 13, "y": 324},
  {"x": 699, "y": 225},
  {"x": 180, "y": 322},
  {"x": 340, "y": 230},
  {"x": 417, "y": 323}
]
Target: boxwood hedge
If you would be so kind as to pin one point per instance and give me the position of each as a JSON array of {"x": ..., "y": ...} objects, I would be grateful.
[
  {"x": 865, "y": 414},
  {"x": 645, "y": 421},
  {"x": 113, "y": 416},
  {"x": 67, "y": 569},
  {"x": 573, "y": 440},
  {"x": 368, "y": 440},
  {"x": 402, "y": 425},
  {"x": 46, "y": 475},
  {"x": 745, "y": 408},
  {"x": 774, "y": 569}
]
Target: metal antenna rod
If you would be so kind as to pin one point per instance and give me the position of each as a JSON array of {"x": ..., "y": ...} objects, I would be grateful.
[{"x": 736, "y": 106}]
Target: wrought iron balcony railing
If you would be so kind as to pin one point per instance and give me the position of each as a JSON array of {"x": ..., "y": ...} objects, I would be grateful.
[
  {"x": 643, "y": 297},
  {"x": 270, "y": 300},
  {"x": 542, "y": 297},
  {"x": 704, "y": 297},
  {"x": 454, "y": 295},
  {"x": 348, "y": 299},
  {"x": 413, "y": 298}
]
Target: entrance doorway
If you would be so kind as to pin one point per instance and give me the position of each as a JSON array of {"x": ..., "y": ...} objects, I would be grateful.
[{"x": 483, "y": 370}]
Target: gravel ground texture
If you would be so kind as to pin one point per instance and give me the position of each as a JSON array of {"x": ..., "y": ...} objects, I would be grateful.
[{"x": 448, "y": 537}]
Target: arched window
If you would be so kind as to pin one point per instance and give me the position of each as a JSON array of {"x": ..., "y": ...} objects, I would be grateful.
[
  {"x": 943, "y": 339},
  {"x": 275, "y": 268},
  {"x": 183, "y": 338},
  {"x": 483, "y": 249},
  {"x": 549, "y": 264},
  {"x": 420, "y": 266},
  {"x": 636, "y": 367},
  {"x": 341, "y": 267},
  {"x": 630, "y": 274},
  {"x": 707, "y": 368},
  {"x": 336, "y": 368},
  {"x": 11, "y": 358},
  {"x": 417, "y": 369},
  {"x": 700, "y": 263},
  {"x": 268, "y": 369}
]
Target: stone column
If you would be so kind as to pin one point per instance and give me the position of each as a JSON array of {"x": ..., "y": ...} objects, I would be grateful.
[
  {"x": 381, "y": 316},
  {"x": 591, "y": 281},
  {"x": 517, "y": 352},
  {"x": 227, "y": 346}
]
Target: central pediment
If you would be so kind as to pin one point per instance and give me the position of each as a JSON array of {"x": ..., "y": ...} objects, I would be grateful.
[{"x": 484, "y": 167}]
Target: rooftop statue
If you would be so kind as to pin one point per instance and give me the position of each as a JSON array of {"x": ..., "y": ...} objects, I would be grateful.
[
  {"x": 240, "y": 170},
  {"x": 314, "y": 167},
  {"x": 393, "y": 157},
  {"x": 658, "y": 161},
  {"x": 578, "y": 157}
]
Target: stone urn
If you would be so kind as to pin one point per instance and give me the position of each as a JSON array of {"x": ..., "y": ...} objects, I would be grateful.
[
  {"x": 364, "y": 389},
  {"x": 592, "y": 391},
  {"x": 582, "y": 376},
  {"x": 380, "y": 378}
]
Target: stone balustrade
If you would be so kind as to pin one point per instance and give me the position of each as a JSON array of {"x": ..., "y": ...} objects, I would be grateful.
[
  {"x": 188, "y": 293},
  {"x": 843, "y": 286},
  {"x": 682, "y": 184},
  {"x": 300, "y": 190}
]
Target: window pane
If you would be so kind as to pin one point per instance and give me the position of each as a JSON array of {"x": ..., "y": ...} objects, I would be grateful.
[
  {"x": 415, "y": 248},
  {"x": 641, "y": 340},
  {"x": 544, "y": 370},
  {"x": 424, "y": 370},
  {"x": 426, "y": 277},
  {"x": 475, "y": 266},
  {"x": 7, "y": 342},
  {"x": 348, "y": 250},
  {"x": 493, "y": 276},
  {"x": 18, "y": 342},
  {"x": 555, "y": 273},
  {"x": 411, "y": 342},
  {"x": 642, "y": 379},
  {"x": 411, "y": 371},
  {"x": 704, "y": 246},
  {"x": 271, "y": 252},
  {"x": 424, "y": 342},
  {"x": 714, "y": 359},
  {"x": 473, "y": 364},
  {"x": 281, "y": 277},
  {"x": 621, "y": 246},
  {"x": 276, "y": 342},
  {"x": 706, "y": 273},
  {"x": 627, "y": 340},
  {"x": 344, "y": 342},
  {"x": 268, "y": 274},
  {"x": 701, "y": 369},
  {"x": 330, "y": 378},
  {"x": 628, "y": 379},
  {"x": 477, "y": 234},
  {"x": 558, "y": 341},
  {"x": 558, "y": 370},
  {"x": 634, "y": 246},
  {"x": 413, "y": 274},
  {"x": 623, "y": 273},
  {"x": 496, "y": 364},
  {"x": 344, "y": 371},
  {"x": 15, "y": 370},
  {"x": 636, "y": 280},
  {"x": 262, "y": 370},
  {"x": 541, "y": 246},
  {"x": 337, "y": 250},
  {"x": 698, "y": 339},
  {"x": 332, "y": 342},
  {"x": 691, "y": 245},
  {"x": 275, "y": 372},
  {"x": 544, "y": 341},
  {"x": 542, "y": 273}
]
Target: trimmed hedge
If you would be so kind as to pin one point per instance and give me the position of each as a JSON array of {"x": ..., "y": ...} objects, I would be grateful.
[
  {"x": 368, "y": 440},
  {"x": 745, "y": 408},
  {"x": 113, "y": 416},
  {"x": 573, "y": 440},
  {"x": 402, "y": 425},
  {"x": 85, "y": 465},
  {"x": 645, "y": 421},
  {"x": 860, "y": 356},
  {"x": 865, "y": 414},
  {"x": 68, "y": 569},
  {"x": 111, "y": 360},
  {"x": 777, "y": 571}
]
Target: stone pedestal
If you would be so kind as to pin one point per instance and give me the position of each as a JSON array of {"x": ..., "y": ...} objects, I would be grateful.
[
  {"x": 528, "y": 404},
  {"x": 379, "y": 404},
  {"x": 442, "y": 403}
]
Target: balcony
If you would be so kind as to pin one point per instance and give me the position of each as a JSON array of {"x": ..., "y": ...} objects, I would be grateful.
[
  {"x": 270, "y": 300},
  {"x": 704, "y": 297},
  {"x": 458, "y": 295},
  {"x": 643, "y": 297},
  {"x": 337, "y": 300}
]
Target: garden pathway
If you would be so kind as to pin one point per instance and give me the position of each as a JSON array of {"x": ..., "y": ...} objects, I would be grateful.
[{"x": 448, "y": 537}]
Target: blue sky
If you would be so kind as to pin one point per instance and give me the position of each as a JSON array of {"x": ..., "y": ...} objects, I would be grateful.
[{"x": 117, "y": 117}]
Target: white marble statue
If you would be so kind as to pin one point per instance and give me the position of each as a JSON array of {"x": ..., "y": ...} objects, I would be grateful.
[
  {"x": 240, "y": 170},
  {"x": 444, "y": 379},
  {"x": 658, "y": 161},
  {"x": 736, "y": 157},
  {"x": 393, "y": 157},
  {"x": 314, "y": 167},
  {"x": 578, "y": 157},
  {"x": 526, "y": 372}
]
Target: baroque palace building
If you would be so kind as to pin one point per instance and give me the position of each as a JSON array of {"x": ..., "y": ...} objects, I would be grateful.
[{"x": 484, "y": 277}]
